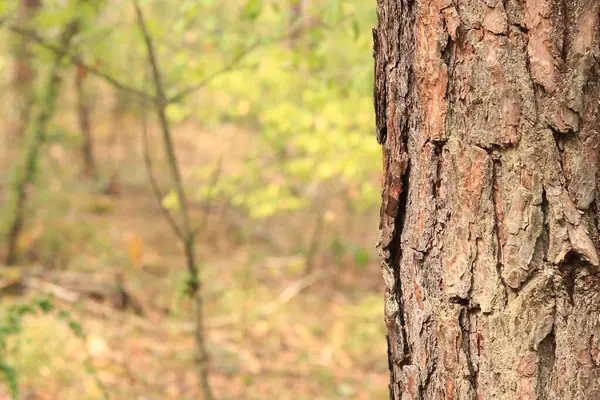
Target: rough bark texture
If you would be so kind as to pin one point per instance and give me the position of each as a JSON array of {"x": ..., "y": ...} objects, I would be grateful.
[{"x": 488, "y": 115}]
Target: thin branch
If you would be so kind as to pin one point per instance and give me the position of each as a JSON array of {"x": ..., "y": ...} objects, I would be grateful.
[
  {"x": 158, "y": 194},
  {"x": 76, "y": 60},
  {"x": 231, "y": 65},
  {"x": 194, "y": 285},
  {"x": 204, "y": 82},
  {"x": 216, "y": 175},
  {"x": 160, "y": 105}
]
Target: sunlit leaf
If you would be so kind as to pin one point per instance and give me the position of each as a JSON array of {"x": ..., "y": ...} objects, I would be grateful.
[
  {"x": 252, "y": 9},
  {"x": 171, "y": 201}
]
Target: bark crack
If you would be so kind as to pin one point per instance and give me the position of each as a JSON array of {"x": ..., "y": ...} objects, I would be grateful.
[
  {"x": 513, "y": 329},
  {"x": 545, "y": 207},
  {"x": 496, "y": 196},
  {"x": 535, "y": 86},
  {"x": 565, "y": 21},
  {"x": 547, "y": 358},
  {"x": 594, "y": 358},
  {"x": 379, "y": 89},
  {"x": 464, "y": 322},
  {"x": 396, "y": 119},
  {"x": 546, "y": 351},
  {"x": 396, "y": 258}
]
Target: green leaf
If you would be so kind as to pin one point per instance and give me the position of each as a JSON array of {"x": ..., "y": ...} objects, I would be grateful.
[
  {"x": 11, "y": 378},
  {"x": 179, "y": 24},
  {"x": 178, "y": 112},
  {"x": 6, "y": 7},
  {"x": 45, "y": 305},
  {"x": 75, "y": 327},
  {"x": 360, "y": 256},
  {"x": 337, "y": 247},
  {"x": 252, "y": 9},
  {"x": 85, "y": 11},
  {"x": 356, "y": 29},
  {"x": 171, "y": 201}
]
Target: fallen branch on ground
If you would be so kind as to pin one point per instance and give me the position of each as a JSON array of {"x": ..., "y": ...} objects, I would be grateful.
[{"x": 284, "y": 297}]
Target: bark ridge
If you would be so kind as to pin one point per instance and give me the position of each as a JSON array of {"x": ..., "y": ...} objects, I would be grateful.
[{"x": 488, "y": 115}]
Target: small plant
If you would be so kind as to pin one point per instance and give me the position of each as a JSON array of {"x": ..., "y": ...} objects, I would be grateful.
[
  {"x": 11, "y": 321},
  {"x": 11, "y": 325}
]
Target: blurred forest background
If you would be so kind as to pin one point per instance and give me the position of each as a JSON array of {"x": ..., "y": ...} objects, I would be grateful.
[{"x": 189, "y": 200}]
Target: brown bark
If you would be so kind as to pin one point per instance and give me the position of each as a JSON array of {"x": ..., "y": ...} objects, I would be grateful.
[{"x": 488, "y": 115}]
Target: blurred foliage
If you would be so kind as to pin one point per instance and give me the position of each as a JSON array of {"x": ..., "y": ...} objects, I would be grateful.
[
  {"x": 304, "y": 86},
  {"x": 300, "y": 87},
  {"x": 312, "y": 107},
  {"x": 11, "y": 326}
]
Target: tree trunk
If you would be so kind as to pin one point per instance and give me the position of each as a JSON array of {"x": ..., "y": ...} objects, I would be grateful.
[
  {"x": 488, "y": 115},
  {"x": 23, "y": 74},
  {"x": 24, "y": 177},
  {"x": 83, "y": 118}
]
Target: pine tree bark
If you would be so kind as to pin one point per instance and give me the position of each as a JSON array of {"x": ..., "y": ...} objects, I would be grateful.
[{"x": 488, "y": 116}]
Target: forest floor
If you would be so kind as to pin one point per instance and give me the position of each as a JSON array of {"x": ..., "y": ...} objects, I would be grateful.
[{"x": 274, "y": 329}]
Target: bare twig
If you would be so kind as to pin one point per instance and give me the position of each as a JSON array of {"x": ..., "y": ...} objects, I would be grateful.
[
  {"x": 76, "y": 60},
  {"x": 294, "y": 32},
  {"x": 160, "y": 106},
  {"x": 195, "y": 287},
  {"x": 207, "y": 204},
  {"x": 229, "y": 66},
  {"x": 204, "y": 82},
  {"x": 182, "y": 94},
  {"x": 158, "y": 194}
]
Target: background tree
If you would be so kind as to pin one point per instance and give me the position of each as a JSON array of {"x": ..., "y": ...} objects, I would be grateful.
[
  {"x": 25, "y": 175},
  {"x": 488, "y": 116},
  {"x": 84, "y": 115},
  {"x": 23, "y": 72},
  {"x": 259, "y": 161}
]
